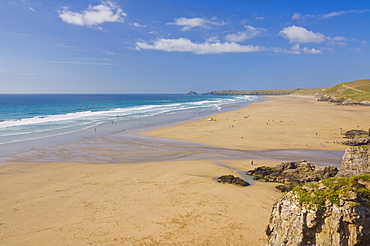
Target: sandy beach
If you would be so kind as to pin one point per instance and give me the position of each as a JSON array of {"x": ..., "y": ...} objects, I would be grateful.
[
  {"x": 281, "y": 122},
  {"x": 168, "y": 202}
]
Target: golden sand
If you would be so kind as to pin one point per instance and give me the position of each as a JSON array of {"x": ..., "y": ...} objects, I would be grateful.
[
  {"x": 173, "y": 202},
  {"x": 281, "y": 122}
]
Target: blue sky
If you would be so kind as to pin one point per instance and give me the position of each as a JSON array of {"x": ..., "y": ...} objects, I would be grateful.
[{"x": 171, "y": 46}]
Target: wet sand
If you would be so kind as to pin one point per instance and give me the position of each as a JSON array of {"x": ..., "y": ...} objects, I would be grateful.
[
  {"x": 281, "y": 122},
  {"x": 123, "y": 191}
]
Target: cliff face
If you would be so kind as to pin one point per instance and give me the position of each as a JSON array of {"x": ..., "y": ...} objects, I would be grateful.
[
  {"x": 297, "y": 224},
  {"x": 334, "y": 211},
  {"x": 355, "y": 161}
]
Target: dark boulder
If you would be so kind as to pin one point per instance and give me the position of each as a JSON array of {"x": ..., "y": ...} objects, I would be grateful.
[
  {"x": 357, "y": 141},
  {"x": 232, "y": 180}
]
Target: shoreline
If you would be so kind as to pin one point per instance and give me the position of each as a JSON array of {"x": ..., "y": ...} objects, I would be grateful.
[
  {"x": 280, "y": 122},
  {"x": 156, "y": 201},
  {"x": 109, "y": 128}
]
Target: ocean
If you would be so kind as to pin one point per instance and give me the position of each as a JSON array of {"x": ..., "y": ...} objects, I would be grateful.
[{"x": 30, "y": 121}]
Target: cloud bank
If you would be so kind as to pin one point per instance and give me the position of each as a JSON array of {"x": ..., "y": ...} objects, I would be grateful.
[
  {"x": 186, "y": 45},
  {"x": 94, "y": 16}
]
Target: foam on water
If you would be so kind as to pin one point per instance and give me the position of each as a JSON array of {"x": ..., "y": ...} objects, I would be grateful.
[{"x": 59, "y": 115}]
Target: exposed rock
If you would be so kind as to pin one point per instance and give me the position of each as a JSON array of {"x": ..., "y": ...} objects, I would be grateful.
[
  {"x": 232, "y": 180},
  {"x": 356, "y": 133},
  {"x": 355, "y": 161},
  {"x": 357, "y": 138},
  {"x": 357, "y": 141},
  {"x": 292, "y": 173},
  {"x": 326, "y": 172},
  {"x": 335, "y": 211},
  {"x": 193, "y": 93},
  {"x": 342, "y": 101}
]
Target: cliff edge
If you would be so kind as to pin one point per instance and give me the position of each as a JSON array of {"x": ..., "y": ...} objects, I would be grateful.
[{"x": 334, "y": 211}]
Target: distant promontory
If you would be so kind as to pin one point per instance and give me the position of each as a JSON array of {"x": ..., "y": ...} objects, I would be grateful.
[
  {"x": 192, "y": 93},
  {"x": 355, "y": 92}
]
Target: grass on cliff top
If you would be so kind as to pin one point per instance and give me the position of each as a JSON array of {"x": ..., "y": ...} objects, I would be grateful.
[
  {"x": 299, "y": 91},
  {"x": 337, "y": 189},
  {"x": 358, "y": 90}
]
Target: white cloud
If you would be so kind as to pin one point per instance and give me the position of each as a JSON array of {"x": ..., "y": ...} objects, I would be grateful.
[
  {"x": 213, "y": 39},
  {"x": 297, "y": 50},
  {"x": 299, "y": 35},
  {"x": 93, "y": 16},
  {"x": 338, "y": 40},
  {"x": 339, "y": 13},
  {"x": 186, "y": 45},
  {"x": 189, "y": 23},
  {"x": 298, "y": 16},
  {"x": 135, "y": 24},
  {"x": 250, "y": 32}
]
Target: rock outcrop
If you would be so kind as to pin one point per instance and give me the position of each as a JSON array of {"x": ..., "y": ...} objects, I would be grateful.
[
  {"x": 291, "y": 173},
  {"x": 232, "y": 180},
  {"x": 357, "y": 138},
  {"x": 335, "y": 211},
  {"x": 355, "y": 161},
  {"x": 192, "y": 93},
  {"x": 357, "y": 141},
  {"x": 342, "y": 101}
]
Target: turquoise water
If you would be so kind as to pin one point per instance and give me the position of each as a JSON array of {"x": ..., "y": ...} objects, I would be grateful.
[
  {"x": 52, "y": 118},
  {"x": 52, "y": 128}
]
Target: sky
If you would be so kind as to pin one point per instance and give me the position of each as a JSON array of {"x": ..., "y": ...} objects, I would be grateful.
[{"x": 173, "y": 46}]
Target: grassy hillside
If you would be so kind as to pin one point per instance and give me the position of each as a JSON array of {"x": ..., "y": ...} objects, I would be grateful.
[
  {"x": 358, "y": 90},
  {"x": 299, "y": 91},
  {"x": 346, "y": 93}
]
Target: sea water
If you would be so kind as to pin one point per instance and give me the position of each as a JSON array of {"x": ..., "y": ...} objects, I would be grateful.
[{"x": 37, "y": 121}]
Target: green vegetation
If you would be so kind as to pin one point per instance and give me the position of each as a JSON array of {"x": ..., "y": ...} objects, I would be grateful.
[
  {"x": 355, "y": 189},
  {"x": 299, "y": 91},
  {"x": 358, "y": 90}
]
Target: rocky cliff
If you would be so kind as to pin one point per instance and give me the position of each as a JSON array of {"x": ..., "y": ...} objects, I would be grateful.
[
  {"x": 355, "y": 161},
  {"x": 334, "y": 211}
]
